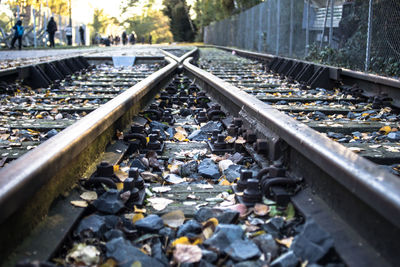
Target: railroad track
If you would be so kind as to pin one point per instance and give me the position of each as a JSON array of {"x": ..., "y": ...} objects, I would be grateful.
[
  {"x": 363, "y": 124},
  {"x": 330, "y": 187},
  {"x": 30, "y": 117}
]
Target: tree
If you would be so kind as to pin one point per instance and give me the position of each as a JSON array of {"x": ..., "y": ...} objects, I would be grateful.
[
  {"x": 100, "y": 21},
  {"x": 181, "y": 25},
  {"x": 144, "y": 20}
]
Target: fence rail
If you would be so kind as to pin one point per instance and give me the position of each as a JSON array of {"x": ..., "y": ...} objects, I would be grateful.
[{"x": 358, "y": 34}]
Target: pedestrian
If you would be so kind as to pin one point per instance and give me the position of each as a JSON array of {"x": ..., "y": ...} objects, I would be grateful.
[
  {"x": 68, "y": 34},
  {"x": 124, "y": 38},
  {"x": 19, "y": 32},
  {"x": 142, "y": 40},
  {"x": 132, "y": 38},
  {"x": 51, "y": 29},
  {"x": 150, "y": 39},
  {"x": 82, "y": 34}
]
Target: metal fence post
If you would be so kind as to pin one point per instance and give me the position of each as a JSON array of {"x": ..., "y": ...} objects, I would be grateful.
[
  {"x": 307, "y": 29},
  {"x": 291, "y": 28},
  {"x": 34, "y": 28},
  {"x": 368, "y": 51},
  {"x": 331, "y": 26},
  {"x": 323, "y": 28},
  {"x": 259, "y": 27},
  {"x": 269, "y": 23},
  {"x": 278, "y": 20}
]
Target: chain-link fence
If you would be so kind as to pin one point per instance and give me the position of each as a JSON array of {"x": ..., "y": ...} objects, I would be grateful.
[{"x": 355, "y": 34}]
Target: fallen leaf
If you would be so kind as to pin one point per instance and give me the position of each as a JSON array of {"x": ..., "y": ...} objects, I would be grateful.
[
  {"x": 180, "y": 134},
  {"x": 159, "y": 203},
  {"x": 290, "y": 212},
  {"x": 161, "y": 189},
  {"x": 120, "y": 186},
  {"x": 224, "y": 164},
  {"x": 205, "y": 186},
  {"x": 109, "y": 263},
  {"x": 83, "y": 254},
  {"x": 122, "y": 175},
  {"x": 240, "y": 140},
  {"x": 136, "y": 209},
  {"x": 173, "y": 179},
  {"x": 137, "y": 216},
  {"x": 385, "y": 129},
  {"x": 187, "y": 253},
  {"x": 150, "y": 177},
  {"x": 287, "y": 242},
  {"x": 189, "y": 203},
  {"x": 174, "y": 219},
  {"x": 229, "y": 139},
  {"x": 89, "y": 196},
  {"x": 191, "y": 196},
  {"x": 241, "y": 208},
  {"x": 261, "y": 209},
  {"x": 79, "y": 203},
  {"x": 356, "y": 149}
]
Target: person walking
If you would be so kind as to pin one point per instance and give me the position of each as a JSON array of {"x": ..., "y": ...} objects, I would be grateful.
[
  {"x": 124, "y": 38},
  {"x": 51, "y": 29},
  {"x": 82, "y": 34},
  {"x": 68, "y": 34},
  {"x": 150, "y": 39},
  {"x": 18, "y": 33},
  {"x": 132, "y": 39}
]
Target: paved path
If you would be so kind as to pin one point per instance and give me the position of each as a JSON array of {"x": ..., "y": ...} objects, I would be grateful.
[{"x": 17, "y": 58}]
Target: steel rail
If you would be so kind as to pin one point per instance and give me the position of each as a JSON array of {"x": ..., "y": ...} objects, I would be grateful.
[
  {"x": 375, "y": 84},
  {"x": 23, "y": 177},
  {"x": 360, "y": 176},
  {"x": 372, "y": 186},
  {"x": 191, "y": 53}
]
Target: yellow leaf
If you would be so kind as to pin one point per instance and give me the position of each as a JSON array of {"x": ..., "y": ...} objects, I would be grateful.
[
  {"x": 137, "y": 217},
  {"x": 147, "y": 140},
  {"x": 39, "y": 116},
  {"x": 182, "y": 241},
  {"x": 136, "y": 209},
  {"x": 225, "y": 182},
  {"x": 120, "y": 186},
  {"x": 287, "y": 242},
  {"x": 116, "y": 168},
  {"x": 385, "y": 129}
]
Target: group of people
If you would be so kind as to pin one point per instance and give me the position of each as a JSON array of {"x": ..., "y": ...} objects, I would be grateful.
[
  {"x": 125, "y": 39},
  {"x": 51, "y": 30},
  {"x": 116, "y": 40}
]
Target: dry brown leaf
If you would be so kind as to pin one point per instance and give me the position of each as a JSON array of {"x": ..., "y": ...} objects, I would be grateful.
[
  {"x": 174, "y": 219},
  {"x": 261, "y": 209},
  {"x": 89, "y": 195}
]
